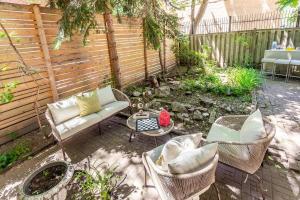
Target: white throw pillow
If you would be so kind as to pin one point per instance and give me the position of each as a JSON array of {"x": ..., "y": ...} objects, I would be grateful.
[
  {"x": 64, "y": 110},
  {"x": 193, "y": 159},
  {"x": 175, "y": 146},
  {"x": 253, "y": 128},
  {"x": 106, "y": 95}
]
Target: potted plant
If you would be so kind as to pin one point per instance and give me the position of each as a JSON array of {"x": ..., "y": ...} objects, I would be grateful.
[{"x": 47, "y": 181}]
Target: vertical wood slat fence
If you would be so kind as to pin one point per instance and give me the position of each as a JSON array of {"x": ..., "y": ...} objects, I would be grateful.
[
  {"x": 244, "y": 47},
  {"x": 74, "y": 68}
]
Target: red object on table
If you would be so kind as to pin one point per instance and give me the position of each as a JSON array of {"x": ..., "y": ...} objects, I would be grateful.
[{"x": 164, "y": 118}]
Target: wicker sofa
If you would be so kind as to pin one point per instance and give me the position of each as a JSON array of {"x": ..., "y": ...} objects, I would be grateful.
[{"x": 63, "y": 116}]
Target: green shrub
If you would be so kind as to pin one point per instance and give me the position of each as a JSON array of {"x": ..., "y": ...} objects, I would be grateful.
[
  {"x": 188, "y": 57},
  {"x": 13, "y": 154},
  {"x": 233, "y": 81}
]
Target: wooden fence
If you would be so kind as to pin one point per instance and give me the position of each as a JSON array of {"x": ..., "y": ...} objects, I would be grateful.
[
  {"x": 244, "y": 47},
  {"x": 73, "y": 68}
]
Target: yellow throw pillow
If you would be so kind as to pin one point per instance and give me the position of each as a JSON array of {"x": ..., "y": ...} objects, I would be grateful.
[{"x": 88, "y": 103}]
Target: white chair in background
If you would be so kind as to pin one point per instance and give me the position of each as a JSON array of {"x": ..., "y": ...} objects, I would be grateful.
[
  {"x": 268, "y": 59},
  {"x": 294, "y": 64},
  {"x": 282, "y": 58}
]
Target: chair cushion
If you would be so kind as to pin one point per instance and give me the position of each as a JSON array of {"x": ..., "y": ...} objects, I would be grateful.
[
  {"x": 268, "y": 60},
  {"x": 253, "y": 128},
  {"x": 191, "y": 160},
  {"x": 106, "y": 95},
  {"x": 282, "y": 61},
  {"x": 88, "y": 103},
  {"x": 64, "y": 110},
  {"x": 175, "y": 146},
  {"x": 77, "y": 124},
  {"x": 222, "y": 133}
]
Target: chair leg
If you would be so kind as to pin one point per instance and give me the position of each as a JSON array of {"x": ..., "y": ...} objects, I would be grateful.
[
  {"x": 260, "y": 186},
  {"x": 145, "y": 178},
  {"x": 63, "y": 151},
  {"x": 217, "y": 190},
  {"x": 99, "y": 128}
]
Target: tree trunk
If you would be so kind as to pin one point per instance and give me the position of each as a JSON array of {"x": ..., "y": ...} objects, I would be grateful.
[
  {"x": 192, "y": 16},
  {"x": 111, "y": 42},
  {"x": 200, "y": 15}
]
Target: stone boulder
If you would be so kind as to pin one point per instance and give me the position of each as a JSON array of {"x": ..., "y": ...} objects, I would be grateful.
[{"x": 178, "y": 107}]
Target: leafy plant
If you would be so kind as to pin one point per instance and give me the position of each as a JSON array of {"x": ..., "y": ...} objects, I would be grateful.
[
  {"x": 13, "y": 154},
  {"x": 232, "y": 81},
  {"x": 99, "y": 185},
  {"x": 6, "y": 95},
  {"x": 188, "y": 57}
]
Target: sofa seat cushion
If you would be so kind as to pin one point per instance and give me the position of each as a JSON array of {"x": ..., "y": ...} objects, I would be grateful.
[
  {"x": 64, "y": 110},
  {"x": 78, "y": 123},
  {"x": 106, "y": 95},
  {"x": 72, "y": 126}
]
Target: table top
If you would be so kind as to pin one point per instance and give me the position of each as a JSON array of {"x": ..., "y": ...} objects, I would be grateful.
[{"x": 131, "y": 123}]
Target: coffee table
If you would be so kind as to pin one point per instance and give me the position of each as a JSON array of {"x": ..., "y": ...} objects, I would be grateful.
[{"x": 131, "y": 123}]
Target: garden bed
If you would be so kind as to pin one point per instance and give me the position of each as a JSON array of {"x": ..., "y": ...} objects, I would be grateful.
[{"x": 192, "y": 108}]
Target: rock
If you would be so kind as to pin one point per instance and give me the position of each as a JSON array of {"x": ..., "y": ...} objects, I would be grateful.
[
  {"x": 197, "y": 115},
  {"x": 185, "y": 115},
  {"x": 188, "y": 93},
  {"x": 192, "y": 109},
  {"x": 175, "y": 82},
  {"x": 212, "y": 117},
  {"x": 207, "y": 101},
  {"x": 155, "y": 104},
  {"x": 201, "y": 109},
  {"x": 178, "y": 107},
  {"x": 164, "y": 91},
  {"x": 205, "y": 114},
  {"x": 172, "y": 114},
  {"x": 228, "y": 108},
  {"x": 136, "y": 93}
]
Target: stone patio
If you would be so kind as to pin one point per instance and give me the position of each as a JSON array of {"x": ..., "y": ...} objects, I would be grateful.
[{"x": 112, "y": 146}]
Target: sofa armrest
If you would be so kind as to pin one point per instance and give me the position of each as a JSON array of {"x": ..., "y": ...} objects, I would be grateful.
[{"x": 52, "y": 124}]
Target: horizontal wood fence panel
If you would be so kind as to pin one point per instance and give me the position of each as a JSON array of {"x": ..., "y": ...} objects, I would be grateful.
[
  {"x": 244, "y": 47},
  {"x": 75, "y": 67}
]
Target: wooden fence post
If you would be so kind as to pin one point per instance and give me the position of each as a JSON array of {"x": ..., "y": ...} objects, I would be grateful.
[
  {"x": 145, "y": 52},
  {"x": 165, "y": 52},
  {"x": 112, "y": 48},
  {"x": 229, "y": 24},
  {"x": 45, "y": 49},
  {"x": 298, "y": 17}
]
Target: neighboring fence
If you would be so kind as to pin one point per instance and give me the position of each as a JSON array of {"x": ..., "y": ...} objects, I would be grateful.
[
  {"x": 244, "y": 47},
  {"x": 269, "y": 20},
  {"x": 75, "y": 68}
]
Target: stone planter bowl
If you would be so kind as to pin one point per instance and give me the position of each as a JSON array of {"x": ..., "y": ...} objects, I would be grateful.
[{"x": 54, "y": 191}]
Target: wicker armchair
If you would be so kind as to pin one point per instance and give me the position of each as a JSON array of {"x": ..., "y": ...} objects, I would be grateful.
[
  {"x": 182, "y": 186},
  {"x": 256, "y": 149}
]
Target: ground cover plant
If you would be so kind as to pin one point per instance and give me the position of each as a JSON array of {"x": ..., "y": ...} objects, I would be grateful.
[
  {"x": 12, "y": 155},
  {"x": 235, "y": 81}
]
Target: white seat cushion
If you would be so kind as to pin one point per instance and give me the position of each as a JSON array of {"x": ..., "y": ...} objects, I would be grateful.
[
  {"x": 106, "y": 95},
  {"x": 64, "y": 110},
  {"x": 191, "y": 160},
  {"x": 253, "y": 128},
  {"x": 295, "y": 62},
  {"x": 77, "y": 124},
  {"x": 268, "y": 60},
  {"x": 282, "y": 62}
]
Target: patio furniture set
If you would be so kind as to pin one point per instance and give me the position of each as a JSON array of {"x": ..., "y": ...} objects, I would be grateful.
[
  {"x": 185, "y": 166},
  {"x": 289, "y": 59}
]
